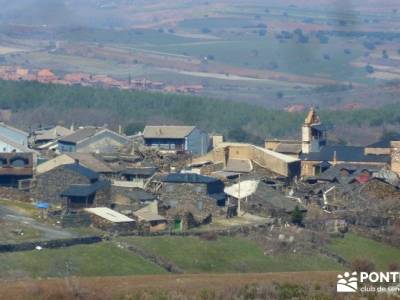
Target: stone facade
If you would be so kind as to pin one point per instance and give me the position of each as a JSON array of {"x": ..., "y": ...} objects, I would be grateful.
[
  {"x": 49, "y": 186},
  {"x": 188, "y": 202}
]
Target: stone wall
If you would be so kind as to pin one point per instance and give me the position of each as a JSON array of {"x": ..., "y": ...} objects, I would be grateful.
[
  {"x": 13, "y": 194},
  {"x": 51, "y": 184},
  {"x": 28, "y": 246}
]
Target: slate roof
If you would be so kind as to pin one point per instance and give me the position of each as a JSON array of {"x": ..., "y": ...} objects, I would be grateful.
[
  {"x": 319, "y": 127},
  {"x": 139, "y": 171},
  {"x": 141, "y": 195},
  {"x": 91, "y": 162},
  {"x": 78, "y": 168},
  {"x": 80, "y": 134},
  {"x": 52, "y": 133},
  {"x": 345, "y": 153},
  {"x": 84, "y": 190},
  {"x": 189, "y": 178},
  {"x": 334, "y": 173},
  {"x": 273, "y": 198},
  {"x": 18, "y": 146},
  {"x": 384, "y": 143},
  {"x": 167, "y": 132},
  {"x": 13, "y": 129}
]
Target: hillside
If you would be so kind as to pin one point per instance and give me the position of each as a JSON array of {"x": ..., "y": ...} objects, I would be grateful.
[{"x": 35, "y": 104}]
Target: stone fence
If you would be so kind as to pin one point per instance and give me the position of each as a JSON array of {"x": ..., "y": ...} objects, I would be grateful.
[{"x": 28, "y": 246}]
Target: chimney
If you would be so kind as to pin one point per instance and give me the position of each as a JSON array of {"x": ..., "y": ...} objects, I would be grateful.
[
  {"x": 76, "y": 161},
  {"x": 72, "y": 127},
  {"x": 119, "y": 129}
]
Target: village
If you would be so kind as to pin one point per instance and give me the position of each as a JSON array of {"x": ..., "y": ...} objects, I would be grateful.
[
  {"x": 181, "y": 180},
  {"x": 15, "y": 73}
]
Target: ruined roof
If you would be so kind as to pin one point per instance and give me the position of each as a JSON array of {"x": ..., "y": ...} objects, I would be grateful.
[
  {"x": 239, "y": 165},
  {"x": 266, "y": 194},
  {"x": 80, "y": 134},
  {"x": 52, "y": 133},
  {"x": 345, "y": 153},
  {"x": 167, "y": 132},
  {"x": 90, "y": 161},
  {"x": 109, "y": 214},
  {"x": 149, "y": 213},
  {"x": 188, "y": 178},
  {"x": 86, "y": 172},
  {"x": 334, "y": 172}
]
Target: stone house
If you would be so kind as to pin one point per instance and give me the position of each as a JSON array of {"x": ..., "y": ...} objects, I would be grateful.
[
  {"x": 191, "y": 200},
  {"x": 64, "y": 184}
]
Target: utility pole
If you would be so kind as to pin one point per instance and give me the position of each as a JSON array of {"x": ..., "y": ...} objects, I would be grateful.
[{"x": 238, "y": 209}]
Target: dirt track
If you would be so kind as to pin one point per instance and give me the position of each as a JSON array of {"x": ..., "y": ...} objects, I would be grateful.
[{"x": 119, "y": 287}]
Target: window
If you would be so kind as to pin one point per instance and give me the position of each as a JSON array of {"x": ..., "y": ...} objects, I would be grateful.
[{"x": 19, "y": 162}]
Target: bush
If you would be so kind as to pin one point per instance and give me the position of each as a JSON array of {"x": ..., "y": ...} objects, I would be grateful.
[
  {"x": 297, "y": 216},
  {"x": 362, "y": 265}
]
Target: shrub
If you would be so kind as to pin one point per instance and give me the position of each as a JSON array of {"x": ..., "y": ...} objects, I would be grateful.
[{"x": 362, "y": 265}]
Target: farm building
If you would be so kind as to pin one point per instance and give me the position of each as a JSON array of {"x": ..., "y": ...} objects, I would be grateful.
[
  {"x": 110, "y": 220},
  {"x": 191, "y": 200},
  {"x": 60, "y": 185},
  {"x": 130, "y": 198},
  {"x": 177, "y": 138},
  {"x": 92, "y": 140},
  {"x": 149, "y": 218}
]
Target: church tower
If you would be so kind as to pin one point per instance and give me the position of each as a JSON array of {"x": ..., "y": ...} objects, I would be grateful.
[{"x": 313, "y": 136}]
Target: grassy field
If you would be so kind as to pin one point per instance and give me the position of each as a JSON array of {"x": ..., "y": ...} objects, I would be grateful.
[
  {"x": 353, "y": 247},
  {"x": 317, "y": 285},
  {"x": 84, "y": 260},
  {"x": 227, "y": 254}
]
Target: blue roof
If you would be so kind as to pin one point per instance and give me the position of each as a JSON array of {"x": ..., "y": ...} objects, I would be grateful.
[
  {"x": 345, "y": 153},
  {"x": 78, "y": 168},
  {"x": 189, "y": 178},
  {"x": 84, "y": 190}
]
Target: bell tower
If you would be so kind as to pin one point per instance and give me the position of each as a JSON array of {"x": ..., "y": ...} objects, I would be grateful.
[{"x": 313, "y": 136}]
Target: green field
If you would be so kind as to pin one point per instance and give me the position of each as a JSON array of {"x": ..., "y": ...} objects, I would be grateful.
[
  {"x": 227, "y": 254},
  {"x": 84, "y": 260},
  {"x": 354, "y": 247}
]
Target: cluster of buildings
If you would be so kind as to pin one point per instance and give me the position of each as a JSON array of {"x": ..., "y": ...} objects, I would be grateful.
[
  {"x": 85, "y": 79},
  {"x": 180, "y": 177}
]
